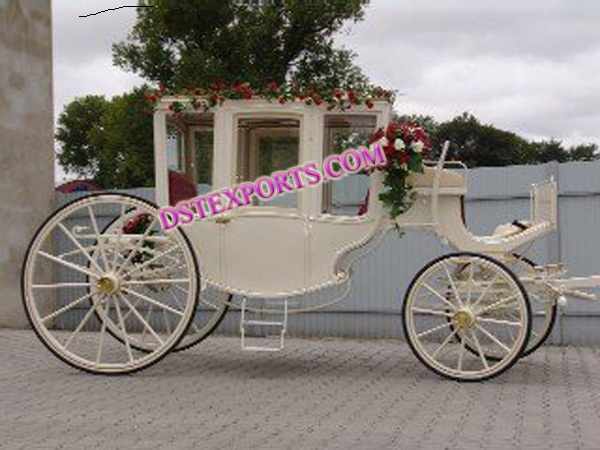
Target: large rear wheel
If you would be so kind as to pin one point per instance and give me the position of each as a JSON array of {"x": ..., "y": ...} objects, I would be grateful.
[{"x": 78, "y": 283}]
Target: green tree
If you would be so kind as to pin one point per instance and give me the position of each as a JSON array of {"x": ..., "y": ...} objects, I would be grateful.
[
  {"x": 481, "y": 145},
  {"x": 81, "y": 118},
  {"x": 546, "y": 151},
  {"x": 189, "y": 43},
  {"x": 584, "y": 152},
  {"x": 111, "y": 144}
]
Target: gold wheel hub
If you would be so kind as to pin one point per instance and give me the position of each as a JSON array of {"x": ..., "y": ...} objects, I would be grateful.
[
  {"x": 107, "y": 285},
  {"x": 463, "y": 318}
]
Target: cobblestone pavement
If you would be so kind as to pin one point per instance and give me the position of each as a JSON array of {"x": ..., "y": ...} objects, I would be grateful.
[{"x": 317, "y": 394}]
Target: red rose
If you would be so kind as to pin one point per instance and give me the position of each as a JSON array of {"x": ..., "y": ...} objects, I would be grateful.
[
  {"x": 213, "y": 99},
  {"x": 337, "y": 94},
  {"x": 247, "y": 94},
  {"x": 137, "y": 224},
  {"x": 217, "y": 85},
  {"x": 352, "y": 95},
  {"x": 369, "y": 104},
  {"x": 404, "y": 158},
  {"x": 389, "y": 152},
  {"x": 376, "y": 136},
  {"x": 272, "y": 86}
]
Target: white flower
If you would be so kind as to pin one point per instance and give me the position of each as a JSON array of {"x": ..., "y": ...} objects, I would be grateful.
[
  {"x": 384, "y": 142},
  {"x": 399, "y": 144},
  {"x": 417, "y": 146}
]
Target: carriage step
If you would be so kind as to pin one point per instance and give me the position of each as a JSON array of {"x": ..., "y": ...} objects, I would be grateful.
[
  {"x": 263, "y": 322},
  {"x": 268, "y": 346}
]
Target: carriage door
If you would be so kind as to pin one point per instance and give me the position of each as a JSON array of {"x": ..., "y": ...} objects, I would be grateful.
[
  {"x": 265, "y": 243},
  {"x": 266, "y": 146}
]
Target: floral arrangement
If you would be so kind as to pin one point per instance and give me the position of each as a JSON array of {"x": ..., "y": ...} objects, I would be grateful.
[
  {"x": 218, "y": 92},
  {"x": 405, "y": 147},
  {"x": 138, "y": 224}
]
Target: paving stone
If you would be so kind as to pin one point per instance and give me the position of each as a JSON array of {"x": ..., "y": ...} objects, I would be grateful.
[{"x": 317, "y": 394}]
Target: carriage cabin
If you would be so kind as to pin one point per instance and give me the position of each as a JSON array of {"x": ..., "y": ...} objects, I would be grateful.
[{"x": 293, "y": 240}]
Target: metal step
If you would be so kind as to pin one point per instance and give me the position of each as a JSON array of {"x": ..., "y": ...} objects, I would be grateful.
[{"x": 282, "y": 324}]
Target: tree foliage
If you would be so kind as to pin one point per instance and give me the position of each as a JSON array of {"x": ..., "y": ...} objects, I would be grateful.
[
  {"x": 480, "y": 145},
  {"x": 189, "y": 43},
  {"x": 78, "y": 154},
  {"x": 113, "y": 146}
]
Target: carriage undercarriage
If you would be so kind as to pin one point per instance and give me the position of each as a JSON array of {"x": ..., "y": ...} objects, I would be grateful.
[{"x": 134, "y": 292}]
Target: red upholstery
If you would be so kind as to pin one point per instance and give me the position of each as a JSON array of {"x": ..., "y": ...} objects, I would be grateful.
[
  {"x": 181, "y": 187},
  {"x": 365, "y": 206}
]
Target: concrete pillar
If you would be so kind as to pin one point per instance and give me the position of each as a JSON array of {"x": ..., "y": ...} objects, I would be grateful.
[{"x": 26, "y": 140}]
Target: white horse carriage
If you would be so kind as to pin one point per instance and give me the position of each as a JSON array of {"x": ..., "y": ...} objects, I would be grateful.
[{"x": 107, "y": 290}]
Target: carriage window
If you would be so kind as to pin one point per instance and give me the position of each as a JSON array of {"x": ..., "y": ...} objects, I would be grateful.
[
  {"x": 189, "y": 156},
  {"x": 266, "y": 146},
  {"x": 175, "y": 150},
  {"x": 203, "y": 159},
  {"x": 344, "y": 132}
]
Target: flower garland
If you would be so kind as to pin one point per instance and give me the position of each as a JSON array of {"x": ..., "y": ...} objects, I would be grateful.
[
  {"x": 218, "y": 92},
  {"x": 405, "y": 147}
]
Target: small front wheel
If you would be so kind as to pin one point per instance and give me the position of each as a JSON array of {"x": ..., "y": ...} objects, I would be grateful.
[{"x": 457, "y": 302}]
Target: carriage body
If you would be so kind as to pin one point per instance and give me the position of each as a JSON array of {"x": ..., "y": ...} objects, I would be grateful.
[{"x": 271, "y": 249}]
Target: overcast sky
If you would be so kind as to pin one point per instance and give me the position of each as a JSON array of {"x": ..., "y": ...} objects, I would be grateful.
[{"x": 529, "y": 66}]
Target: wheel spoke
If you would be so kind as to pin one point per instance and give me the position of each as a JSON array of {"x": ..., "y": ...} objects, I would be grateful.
[
  {"x": 434, "y": 329},
  {"x": 486, "y": 290},
  {"x": 80, "y": 247},
  {"x": 141, "y": 319},
  {"x": 461, "y": 352},
  {"x": 152, "y": 301},
  {"x": 147, "y": 318},
  {"x": 97, "y": 232},
  {"x": 105, "y": 320},
  {"x": 499, "y": 321},
  {"x": 124, "y": 330},
  {"x": 479, "y": 350},
  {"x": 68, "y": 264},
  {"x": 181, "y": 306},
  {"x": 439, "y": 296},
  {"x": 433, "y": 312},
  {"x": 80, "y": 326},
  {"x": 498, "y": 304},
  {"x": 452, "y": 285},
  {"x": 443, "y": 344},
  {"x": 497, "y": 341},
  {"x": 128, "y": 313},
  {"x": 157, "y": 281},
  {"x": 66, "y": 308},
  {"x": 119, "y": 235},
  {"x": 60, "y": 285},
  {"x": 470, "y": 282}
]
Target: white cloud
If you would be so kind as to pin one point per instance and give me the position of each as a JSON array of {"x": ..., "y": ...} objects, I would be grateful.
[
  {"x": 530, "y": 66},
  {"x": 527, "y": 66}
]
